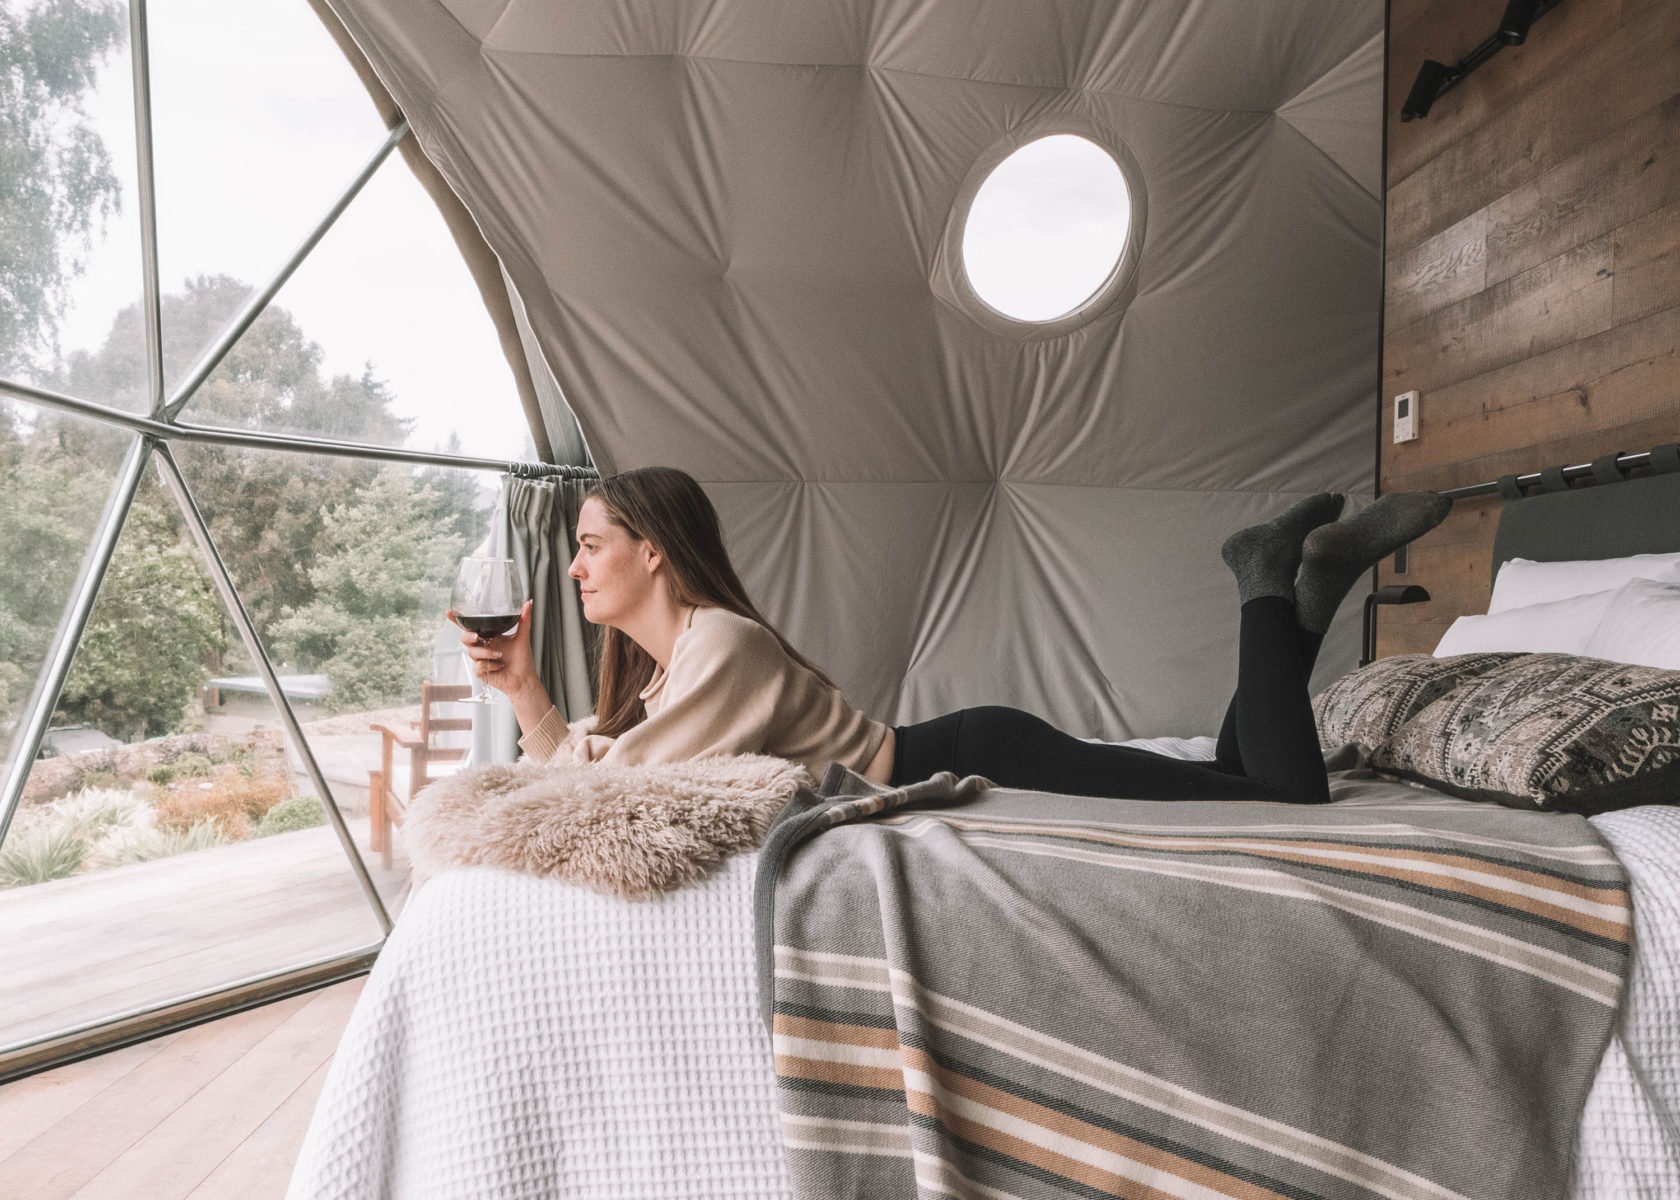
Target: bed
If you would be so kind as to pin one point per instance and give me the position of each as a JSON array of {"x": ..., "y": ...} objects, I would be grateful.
[{"x": 523, "y": 1038}]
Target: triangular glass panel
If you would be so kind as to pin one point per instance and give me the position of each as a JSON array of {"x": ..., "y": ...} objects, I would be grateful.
[
  {"x": 70, "y": 240},
  {"x": 176, "y": 848},
  {"x": 385, "y": 304},
  {"x": 259, "y": 124},
  {"x": 345, "y": 566},
  {"x": 56, "y": 473}
]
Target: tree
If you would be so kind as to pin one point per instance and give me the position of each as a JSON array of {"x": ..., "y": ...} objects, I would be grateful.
[
  {"x": 264, "y": 507},
  {"x": 381, "y": 581},
  {"x": 462, "y": 496},
  {"x": 155, "y": 622},
  {"x": 44, "y": 523},
  {"x": 268, "y": 512},
  {"x": 56, "y": 181}
]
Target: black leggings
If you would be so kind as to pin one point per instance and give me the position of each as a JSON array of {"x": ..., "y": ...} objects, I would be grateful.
[{"x": 1268, "y": 747}]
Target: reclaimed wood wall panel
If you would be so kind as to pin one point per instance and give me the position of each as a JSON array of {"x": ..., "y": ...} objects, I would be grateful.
[{"x": 1532, "y": 276}]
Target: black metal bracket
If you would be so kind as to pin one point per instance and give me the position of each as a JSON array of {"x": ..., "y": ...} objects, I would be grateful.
[{"x": 1436, "y": 79}]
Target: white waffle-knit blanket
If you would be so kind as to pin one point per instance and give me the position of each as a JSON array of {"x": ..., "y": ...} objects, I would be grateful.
[
  {"x": 521, "y": 1038},
  {"x": 1630, "y": 1129},
  {"x": 524, "y": 1039}
]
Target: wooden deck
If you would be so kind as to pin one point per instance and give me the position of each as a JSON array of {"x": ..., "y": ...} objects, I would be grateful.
[
  {"x": 86, "y": 949},
  {"x": 209, "y": 1113}
]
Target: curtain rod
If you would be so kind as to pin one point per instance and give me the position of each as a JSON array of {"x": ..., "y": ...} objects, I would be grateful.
[{"x": 181, "y": 431}]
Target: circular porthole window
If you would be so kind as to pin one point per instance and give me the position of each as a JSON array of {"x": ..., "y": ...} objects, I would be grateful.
[{"x": 1047, "y": 229}]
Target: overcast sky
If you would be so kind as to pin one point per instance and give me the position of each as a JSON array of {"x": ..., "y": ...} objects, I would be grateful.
[
  {"x": 258, "y": 124},
  {"x": 1047, "y": 227}
]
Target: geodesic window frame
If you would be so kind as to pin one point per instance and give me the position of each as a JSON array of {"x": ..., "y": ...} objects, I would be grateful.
[{"x": 152, "y": 437}]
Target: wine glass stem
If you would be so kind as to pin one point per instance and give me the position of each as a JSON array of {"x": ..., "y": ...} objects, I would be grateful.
[{"x": 479, "y": 687}]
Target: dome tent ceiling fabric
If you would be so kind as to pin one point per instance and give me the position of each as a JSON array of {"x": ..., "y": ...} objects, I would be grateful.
[{"x": 727, "y": 221}]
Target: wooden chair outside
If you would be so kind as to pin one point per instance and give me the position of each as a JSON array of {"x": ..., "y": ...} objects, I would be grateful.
[{"x": 385, "y": 806}]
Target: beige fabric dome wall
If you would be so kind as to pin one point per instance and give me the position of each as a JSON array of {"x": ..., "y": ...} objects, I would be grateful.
[{"x": 729, "y": 223}]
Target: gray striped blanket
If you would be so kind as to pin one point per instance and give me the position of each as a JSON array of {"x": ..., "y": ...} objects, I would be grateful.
[{"x": 992, "y": 993}]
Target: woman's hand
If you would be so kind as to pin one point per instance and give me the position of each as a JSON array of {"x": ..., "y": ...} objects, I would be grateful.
[{"x": 505, "y": 662}]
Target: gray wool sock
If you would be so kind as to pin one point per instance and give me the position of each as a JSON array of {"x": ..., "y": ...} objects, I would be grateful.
[
  {"x": 1264, "y": 557},
  {"x": 1335, "y": 556}
]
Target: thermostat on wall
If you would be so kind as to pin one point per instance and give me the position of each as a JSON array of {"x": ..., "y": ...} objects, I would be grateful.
[{"x": 1405, "y": 417}]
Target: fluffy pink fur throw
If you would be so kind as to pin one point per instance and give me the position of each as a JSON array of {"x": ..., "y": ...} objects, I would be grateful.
[{"x": 627, "y": 831}]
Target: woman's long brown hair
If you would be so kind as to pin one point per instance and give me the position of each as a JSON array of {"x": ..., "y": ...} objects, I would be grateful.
[{"x": 667, "y": 507}]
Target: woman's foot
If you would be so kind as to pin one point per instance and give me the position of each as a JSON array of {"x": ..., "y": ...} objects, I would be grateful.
[
  {"x": 1335, "y": 556},
  {"x": 1264, "y": 557}
]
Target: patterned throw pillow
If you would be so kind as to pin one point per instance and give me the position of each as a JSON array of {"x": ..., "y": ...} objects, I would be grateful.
[
  {"x": 1368, "y": 705},
  {"x": 1548, "y": 731}
]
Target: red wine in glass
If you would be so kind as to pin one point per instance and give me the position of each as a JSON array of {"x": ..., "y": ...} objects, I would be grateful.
[
  {"x": 489, "y": 625},
  {"x": 489, "y": 595}
]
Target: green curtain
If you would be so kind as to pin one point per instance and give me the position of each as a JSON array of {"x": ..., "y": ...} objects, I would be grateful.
[{"x": 539, "y": 532}]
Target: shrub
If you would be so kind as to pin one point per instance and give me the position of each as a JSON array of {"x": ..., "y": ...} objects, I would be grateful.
[
  {"x": 232, "y": 801},
  {"x": 163, "y": 775},
  {"x": 41, "y": 851},
  {"x": 292, "y": 814},
  {"x": 92, "y": 811},
  {"x": 144, "y": 843},
  {"x": 247, "y": 757},
  {"x": 101, "y": 768},
  {"x": 137, "y": 664},
  {"x": 192, "y": 764},
  {"x": 66, "y": 837},
  {"x": 198, "y": 743}
]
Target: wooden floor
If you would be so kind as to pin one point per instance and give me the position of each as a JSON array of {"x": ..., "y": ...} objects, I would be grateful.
[
  {"x": 86, "y": 949},
  {"x": 216, "y": 1112}
]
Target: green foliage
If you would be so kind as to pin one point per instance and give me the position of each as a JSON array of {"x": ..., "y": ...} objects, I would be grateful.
[
  {"x": 64, "y": 838},
  {"x": 248, "y": 757},
  {"x": 40, "y": 852},
  {"x": 268, "y": 512},
  {"x": 381, "y": 577},
  {"x": 95, "y": 809},
  {"x": 140, "y": 660},
  {"x": 56, "y": 181},
  {"x": 95, "y": 769},
  {"x": 92, "y": 830},
  {"x": 191, "y": 765},
  {"x": 47, "y": 517},
  {"x": 180, "y": 766},
  {"x": 374, "y": 663},
  {"x": 292, "y": 814}
]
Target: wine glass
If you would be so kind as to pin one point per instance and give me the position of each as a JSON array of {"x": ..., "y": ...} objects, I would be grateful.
[{"x": 487, "y": 599}]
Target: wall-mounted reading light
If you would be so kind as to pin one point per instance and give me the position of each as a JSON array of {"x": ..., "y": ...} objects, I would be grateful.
[
  {"x": 1394, "y": 593},
  {"x": 1436, "y": 79},
  {"x": 1519, "y": 15},
  {"x": 1430, "y": 80}
]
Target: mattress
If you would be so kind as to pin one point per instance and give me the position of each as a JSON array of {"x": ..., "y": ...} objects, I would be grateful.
[{"x": 520, "y": 1038}]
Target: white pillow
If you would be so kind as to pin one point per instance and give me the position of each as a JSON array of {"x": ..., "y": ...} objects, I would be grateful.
[
  {"x": 1641, "y": 626},
  {"x": 1522, "y": 582},
  {"x": 1556, "y": 627}
]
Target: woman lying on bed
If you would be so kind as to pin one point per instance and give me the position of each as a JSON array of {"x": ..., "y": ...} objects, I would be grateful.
[{"x": 689, "y": 668}]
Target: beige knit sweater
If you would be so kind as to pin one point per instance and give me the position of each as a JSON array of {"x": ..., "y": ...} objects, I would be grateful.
[{"x": 730, "y": 689}]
